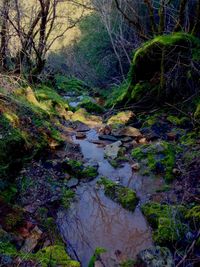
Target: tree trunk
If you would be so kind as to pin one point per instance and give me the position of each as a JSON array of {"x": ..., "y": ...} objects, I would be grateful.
[{"x": 4, "y": 35}]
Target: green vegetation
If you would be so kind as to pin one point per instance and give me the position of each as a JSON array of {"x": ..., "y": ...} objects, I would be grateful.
[
  {"x": 158, "y": 158},
  {"x": 95, "y": 257},
  {"x": 53, "y": 256},
  {"x": 77, "y": 169},
  {"x": 122, "y": 195},
  {"x": 152, "y": 58},
  {"x": 67, "y": 196},
  {"x": 167, "y": 222}
]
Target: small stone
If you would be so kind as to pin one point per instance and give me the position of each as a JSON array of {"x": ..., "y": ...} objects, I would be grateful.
[
  {"x": 135, "y": 166},
  {"x": 108, "y": 137},
  {"x": 143, "y": 141},
  {"x": 106, "y": 130},
  {"x": 128, "y": 131},
  {"x": 80, "y": 135},
  {"x": 112, "y": 150},
  {"x": 73, "y": 182},
  {"x": 176, "y": 171},
  {"x": 98, "y": 264},
  {"x": 172, "y": 136}
]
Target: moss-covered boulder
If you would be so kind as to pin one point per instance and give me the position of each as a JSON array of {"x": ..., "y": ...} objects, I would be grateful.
[
  {"x": 83, "y": 116},
  {"x": 121, "y": 118},
  {"x": 167, "y": 222},
  {"x": 125, "y": 196},
  {"x": 161, "y": 70}
]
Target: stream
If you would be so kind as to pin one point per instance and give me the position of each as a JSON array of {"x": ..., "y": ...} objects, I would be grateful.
[{"x": 93, "y": 220}]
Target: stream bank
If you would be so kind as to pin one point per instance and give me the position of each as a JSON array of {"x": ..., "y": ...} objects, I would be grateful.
[{"x": 61, "y": 186}]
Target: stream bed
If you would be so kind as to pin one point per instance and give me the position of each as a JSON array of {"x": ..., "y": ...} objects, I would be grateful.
[{"x": 93, "y": 220}]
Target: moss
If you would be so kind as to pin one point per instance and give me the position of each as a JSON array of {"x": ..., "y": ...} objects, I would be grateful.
[
  {"x": 54, "y": 256},
  {"x": 83, "y": 116},
  {"x": 7, "y": 248},
  {"x": 89, "y": 172},
  {"x": 121, "y": 118},
  {"x": 51, "y": 100},
  {"x": 123, "y": 195},
  {"x": 65, "y": 84},
  {"x": 197, "y": 112},
  {"x": 177, "y": 121},
  {"x": 67, "y": 197},
  {"x": 193, "y": 215},
  {"x": 146, "y": 80},
  {"x": 91, "y": 106},
  {"x": 158, "y": 157},
  {"x": 95, "y": 257},
  {"x": 167, "y": 222},
  {"x": 128, "y": 263},
  {"x": 12, "y": 145},
  {"x": 77, "y": 169}
]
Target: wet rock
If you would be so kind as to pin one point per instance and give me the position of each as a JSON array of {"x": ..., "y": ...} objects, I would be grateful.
[
  {"x": 135, "y": 166},
  {"x": 73, "y": 182},
  {"x": 80, "y": 126},
  {"x": 98, "y": 264},
  {"x": 152, "y": 136},
  {"x": 155, "y": 257},
  {"x": 112, "y": 150},
  {"x": 32, "y": 241},
  {"x": 126, "y": 139},
  {"x": 106, "y": 130},
  {"x": 127, "y": 131},
  {"x": 80, "y": 135},
  {"x": 108, "y": 137}
]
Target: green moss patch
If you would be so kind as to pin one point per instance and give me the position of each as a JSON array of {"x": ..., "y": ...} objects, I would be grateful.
[
  {"x": 77, "y": 169},
  {"x": 125, "y": 196},
  {"x": 167, "y": 222},
  {"x": 158, "y": 158}
]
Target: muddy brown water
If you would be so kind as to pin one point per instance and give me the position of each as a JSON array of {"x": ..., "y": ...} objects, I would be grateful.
[{"x": 94, "y": 220}]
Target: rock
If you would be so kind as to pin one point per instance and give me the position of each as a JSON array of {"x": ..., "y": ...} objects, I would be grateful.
[
  {"x": 73, "y": 182},
  {"x": 121, "y": 118},
  {"x": 32, "y": 241},
  {"x": 143, "y": 141},
  {"x": 152, "y": 136},
  {"x": 98, "y": 264},
  {"x": 127, "y": 131},
  {"x": 112, "y": 150},
  {"x": 155, "y": 257},
  {"x": 135, "y": 166},
  {"x": 126, "y": 139},
  {"x": 176, "y": 171},
  {"x": 80, "y": 126},
  {"x": 106, "y": 130},
  {"x": 108, "y": 137},
  {"x": 80, "y": 135},
  {"x": 172, "y": 136}
]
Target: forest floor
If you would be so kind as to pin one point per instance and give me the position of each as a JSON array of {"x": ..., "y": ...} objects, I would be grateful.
[{"x": 121, "y": 189}]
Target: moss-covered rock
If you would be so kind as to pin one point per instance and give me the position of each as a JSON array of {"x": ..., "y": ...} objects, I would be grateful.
[
  {"x": 80, "y": 171},
  {"x": 158, "y": 158},
  {"x": 83, "y": 116},
  {"x": 153, "y": 69},
  {"x": 125, "y": 196},
  {"x": 55, "y": 256},
  {"x": 167, "y": 222},
  {"x": 121, "y": 118}
]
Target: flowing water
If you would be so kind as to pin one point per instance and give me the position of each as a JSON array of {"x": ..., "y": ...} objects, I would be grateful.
[{"x": 94, "y": 220}]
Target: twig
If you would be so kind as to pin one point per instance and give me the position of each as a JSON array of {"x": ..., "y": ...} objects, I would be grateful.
[{"x": 189, "y": 250}]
